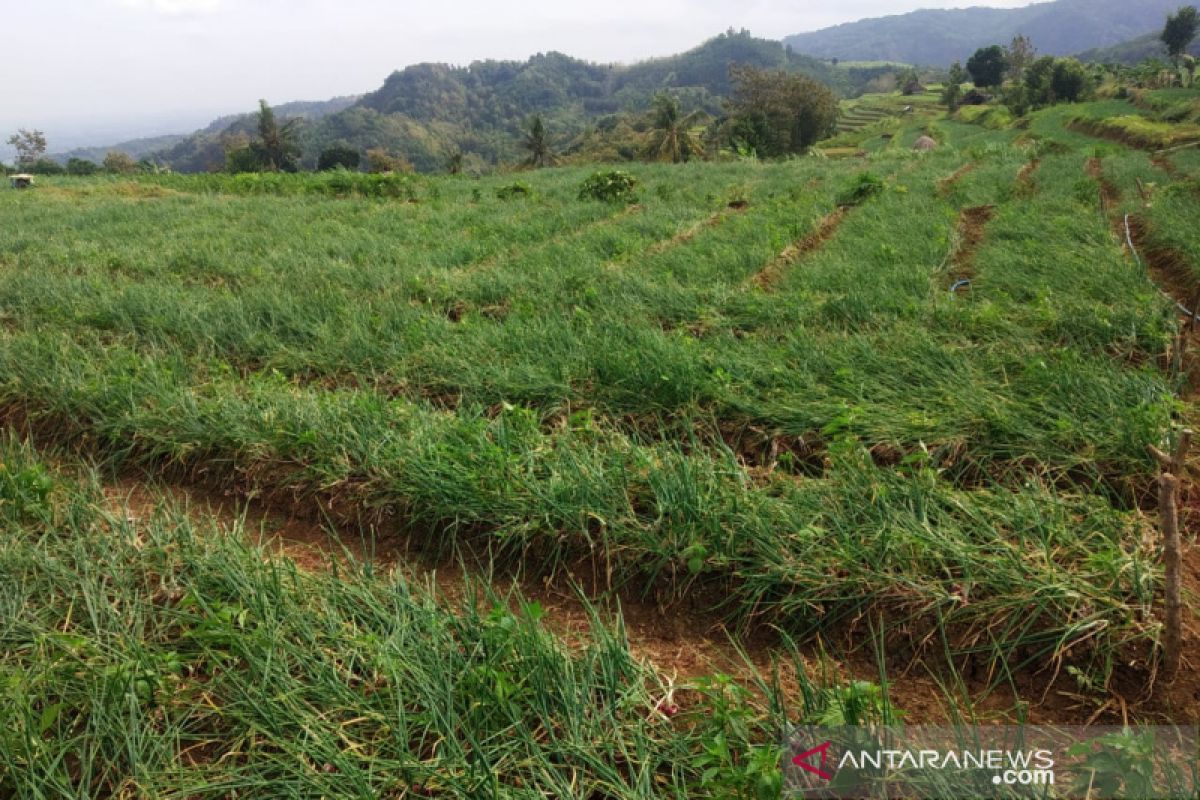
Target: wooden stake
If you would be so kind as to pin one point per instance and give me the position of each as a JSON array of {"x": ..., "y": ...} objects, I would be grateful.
[
  {"x": 1191, "y": 323},
  {"x": 1168, "y": 489},
  {"x": 1173, "y": 465}
]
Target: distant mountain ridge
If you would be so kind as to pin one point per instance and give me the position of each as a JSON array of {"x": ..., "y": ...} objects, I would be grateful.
[
  {"x": 149, "y": 146},
  {"x": 1134, "y": 51},
  {"x": 939, "y": 37}
]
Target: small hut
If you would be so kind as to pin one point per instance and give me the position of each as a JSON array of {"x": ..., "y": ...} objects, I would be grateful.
[
  {"x": 925, "y": 144},
  {"x": 21, "y": 181}
]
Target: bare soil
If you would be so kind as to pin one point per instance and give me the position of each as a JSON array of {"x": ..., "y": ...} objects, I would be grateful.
[
  {"x": 683, "y": 641},
  {"x": 1025, "y": 182},
  {"x": 972, "y": 230},
  {"x": 691, "y": 232},
  {"x": 769, "y": 276},
  {"x": 946, "y": 184}
]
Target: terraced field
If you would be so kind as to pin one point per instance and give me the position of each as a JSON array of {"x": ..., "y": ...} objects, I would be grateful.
[
  {"x": 859, "y": 116},
  {"x": 869, "y": 415}
]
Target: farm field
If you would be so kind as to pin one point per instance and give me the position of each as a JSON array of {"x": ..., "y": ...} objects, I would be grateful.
[{"x": 883, "y": 418}]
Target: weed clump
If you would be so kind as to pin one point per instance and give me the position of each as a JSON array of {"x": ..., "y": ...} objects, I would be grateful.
[
  {"x": 610, "y": 186},
  {"x": 514, "y": 191},
  {"x": 24, "y": 492},
  {"x": 865, "y": 186}
]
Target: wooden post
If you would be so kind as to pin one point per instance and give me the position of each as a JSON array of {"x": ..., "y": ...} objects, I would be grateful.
[
  {"x": 1142, "y": 191},
  {"x": 1173, "y": 466},
  {"x": 1190, "y": 328},
  {"x": 1168, "y": 489}
]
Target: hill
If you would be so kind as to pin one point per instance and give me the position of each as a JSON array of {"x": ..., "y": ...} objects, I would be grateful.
[
  {"x": 939, "y": 37},
  {"x": 172, "y": 147},
  {"x": 1133, "y": 51},
  {"x": 136, "y": 148},
  {"x": 427, "y": 110}
]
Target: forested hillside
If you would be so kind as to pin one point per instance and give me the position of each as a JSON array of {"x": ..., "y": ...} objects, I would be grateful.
[
  {"x": 426, "y": 111},
  {"x": 1133, "y": 51}
]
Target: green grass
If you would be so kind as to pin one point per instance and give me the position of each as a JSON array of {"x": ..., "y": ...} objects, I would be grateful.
[
  {"x": 166, "y": 657},
  {"x": 1138, "y": 131},
  {"x": 558, "y": 380},
  {"x": 852, "y": 451},
  {"x": 1166, "y": 215},
  {"x": 989, "y": 116},
  {"x": 1170, "y": 105}
]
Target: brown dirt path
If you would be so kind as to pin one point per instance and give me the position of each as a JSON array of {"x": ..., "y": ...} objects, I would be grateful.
[{"x": 971, "y": 232}]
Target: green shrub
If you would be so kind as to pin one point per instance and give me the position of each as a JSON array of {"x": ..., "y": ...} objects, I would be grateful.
[
  {"x": 991, "y": 117},
  {"x": 242, "y": 160},
  {"x": 82, "y": 167},
  {"x": 335, "y": 183},
  {"x": 865, "y": 186},
  {"x": 514, "y": 190},
  {"x": 47, "y": 167},
  {"x": 1137, "y": 131},
  {"x": 24, "y": 491},
  {"x": 610, "y": 186},
  {"x": 337, "y": 157}
]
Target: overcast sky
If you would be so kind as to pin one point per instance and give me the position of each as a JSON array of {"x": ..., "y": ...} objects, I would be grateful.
[{"x": 115, "y": 67}]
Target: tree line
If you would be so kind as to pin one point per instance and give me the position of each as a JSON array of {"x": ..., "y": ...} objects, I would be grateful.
[
  {"x": 770, "y": 114},
  {"x": 1024, "y": 81},
  {"x": 31, "y": 145}
]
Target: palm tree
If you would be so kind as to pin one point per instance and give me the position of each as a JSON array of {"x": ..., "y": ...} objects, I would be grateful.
[
  {"x": 672, "y": 140},
  {"x": 278, "y": 146},
  {"x": 537, "y": 144}
]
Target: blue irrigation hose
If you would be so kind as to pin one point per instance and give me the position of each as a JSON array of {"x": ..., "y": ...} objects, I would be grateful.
[{"x": 959, "y": 285}]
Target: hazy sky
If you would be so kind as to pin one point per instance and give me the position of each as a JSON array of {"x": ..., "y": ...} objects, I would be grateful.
[{"x": 114, "y": 67}]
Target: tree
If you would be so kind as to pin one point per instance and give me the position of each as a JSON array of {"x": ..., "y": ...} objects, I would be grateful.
[
  {"x": 380, "y": 160},
  {"x": 909, "y": 81},
  {"x": 118, "y": 163},
  {"x": 1019, "y": 54},
  {"x": 1039, "y": 76},
  {"x": 30, "y": 146},
  {"x": 1050, "y": 80},
  {"x": 952, "y": 94},
  {"x": 45, "y": 166},
  {"x": 454, "y": 162},
  {"x": 1069, "y": 81},
  {"x": 1188, "y": 65},
  {"x": 243, "y": 159},
  {"x": 778, "y": 113},
  {"x": 672, "y": 139},
  {"x": 277, "y": 146},
  {"x": 339, "y": 156},
  {"x": 536, "y": 143},
  {"x": 1180, "y": 30},
  {"x": 987, "y": 66},
  {"x": 82, "y": 167}
]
